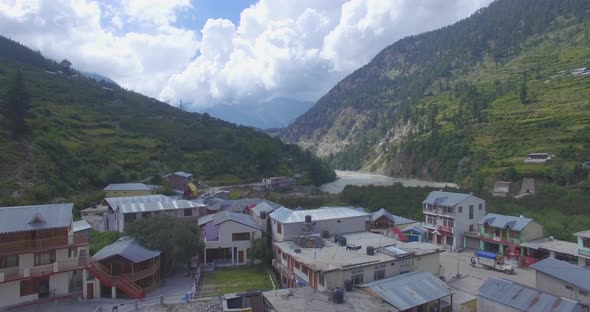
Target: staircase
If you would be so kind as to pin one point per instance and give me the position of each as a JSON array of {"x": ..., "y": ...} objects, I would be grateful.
[
  {"x": 82, "y": 258},
  {"x": 128, "y": 287}
]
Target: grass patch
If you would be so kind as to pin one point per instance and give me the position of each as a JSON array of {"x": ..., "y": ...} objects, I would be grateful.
[{"x": 237, "y": 279}]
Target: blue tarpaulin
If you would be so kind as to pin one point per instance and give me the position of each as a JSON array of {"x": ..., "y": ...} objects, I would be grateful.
[{"x": 485, "y": 254}]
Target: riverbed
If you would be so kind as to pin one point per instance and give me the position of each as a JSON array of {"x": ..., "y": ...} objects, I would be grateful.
[{"x": 364, "y": 178}]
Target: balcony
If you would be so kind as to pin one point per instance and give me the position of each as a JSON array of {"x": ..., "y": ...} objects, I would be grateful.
[
  {"x": 439, "y": 212},
  {"x": 500, "y": 239},
  {"x": 584, "y": 252},
  {"x": 439, "y": 227},
  {"x": 23, "y": 246},
  {"x": 17, "y": 273}
]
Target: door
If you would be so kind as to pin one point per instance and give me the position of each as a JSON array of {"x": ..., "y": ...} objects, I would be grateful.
[
  {"x": 241, "y": 256},
  {"x": 90, "y": 291}
]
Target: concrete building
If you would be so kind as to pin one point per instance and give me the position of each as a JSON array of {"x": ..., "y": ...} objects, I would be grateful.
[
  {"x": 274, "y": 184},
  {"x": 261, "y": 214},
  {"x": 123, "y": 269},
  {"x": 548, "y": 247},
  {"x": 227, "y": 237},
  {"x": 362, "y": 257},
  {"x": 500, "y": 295},
  {"x": 382, "y": 220},
  {"x": 179, "y": 180},
  {"x": 124, "y": 210},
  {"x": 43, "y": 253},
  {"x": 416, "y": 291},
  {"x": 502, "y": 189},
  {"x": 127, "y": 189},
  {"x": 447, "y": 216},
  {"x": 583, "y": 248},
  {"x": 563, "y": 279},
  {"x": 503, "y": 234},
  {"x": 287, "y": 224}
]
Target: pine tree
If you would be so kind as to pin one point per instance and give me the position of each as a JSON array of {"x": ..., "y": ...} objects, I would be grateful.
[
  {"x": 523, "y": 91},
  {"x": 16, "y": 108}
]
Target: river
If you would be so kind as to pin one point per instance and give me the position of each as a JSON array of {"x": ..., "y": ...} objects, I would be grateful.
[{"x": 363, "y": 178}]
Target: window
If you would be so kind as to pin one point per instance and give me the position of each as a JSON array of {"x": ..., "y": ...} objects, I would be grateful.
[
  {"x": 43, "y": 258},
  {"x": 28, "y": 287},
  {"x": 586, "y": 242},
  {"x": 583, "y": 293},
  {"x": 279, "y": 228},
  {"x": 568, "y": 287},
  {"x": 8, "y": 261},
  {"x": 338, "y": 221},
  {"x": 470, "y": 212},
  {"x": 460, "y": 209},
  {"x": 240, "y": 236},
  {"x": 188, "y": 212},
  {"x": 514, "y": 235},
  {"x": 297, "y": 265},
  {"x": 284, "y": 256},
  {"x": 406, "y": 262},
  {"x": 379, "y": 274},
  {"x": 480, "y": 206},
  {"x": 471, "y": 228},
  {"x": 145, "y": 214},
  {"x": 321, "y": 279},
  {"x": 305, "y": 269},
  {"x": 73, "y": 252},
  {"x": 357, "y": 277},
  {"x": 130, "y": 217}
]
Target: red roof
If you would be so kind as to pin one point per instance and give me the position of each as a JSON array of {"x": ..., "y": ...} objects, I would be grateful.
[{"x": 398, "y": 233}]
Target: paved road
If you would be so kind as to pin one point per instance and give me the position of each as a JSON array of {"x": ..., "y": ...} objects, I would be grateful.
[{"x": 448, "y": 261}]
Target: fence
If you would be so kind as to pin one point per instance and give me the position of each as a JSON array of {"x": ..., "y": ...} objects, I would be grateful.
[{"x": 146, "y": 302}]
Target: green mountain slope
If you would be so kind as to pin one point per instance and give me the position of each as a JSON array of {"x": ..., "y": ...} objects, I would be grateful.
[
  {"x": 85, "y": 134},
  {"x": 447, "y": 104}
]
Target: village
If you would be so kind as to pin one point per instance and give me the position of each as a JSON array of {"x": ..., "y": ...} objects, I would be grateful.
[{"x": 459, "y": 257}]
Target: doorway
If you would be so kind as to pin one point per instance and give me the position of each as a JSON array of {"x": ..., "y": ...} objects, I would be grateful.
[
  {"x": 241, "y": 256},
  {"x": 44, "y": 287},
  {"x": 90, "y": 291}
]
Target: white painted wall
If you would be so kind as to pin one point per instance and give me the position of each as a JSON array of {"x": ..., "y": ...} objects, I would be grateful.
[
  {"x": 60, "y": 282},
  {"x": 333, "y": 226},
  {"x": 225, "y": 238},
  {"x": 10, "y": 294},
  {"x": 462, "y": 220},
  {"x": 555, "y": 286}
]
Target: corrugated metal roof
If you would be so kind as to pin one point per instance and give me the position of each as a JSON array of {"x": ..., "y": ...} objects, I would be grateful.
[
  {"x": 114, "y": 202},
  {"x": 236, "y": 205},
  {"x": 127, "y": 187},
  {"x": 183, "y": 174},
  {"x": 285, "y": 215},
  {"x": 81, "y": 226},
  {"x": 37, "y": 217},
  {"x": 561, "y": 270},
  {"x": 524, "y": 298},
  {"x": 585, "y": 234},
  {"x": 156, "y": 206},
  {"x": 397, "y": 220},
  {"x": 205, "y": 219},
  {"x": 446, "y": 199},
  {"x": 262, "y": 207},
  {"x": 128, "y": 248},
  {"x": 503, "y": 221},
  {"x": 411, "y": 289},
  {"x": 244, "y": 219}
]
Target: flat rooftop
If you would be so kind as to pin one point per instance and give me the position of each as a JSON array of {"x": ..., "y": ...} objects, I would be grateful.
[
  {"x": 332, "y": 256},
  {"x": 308, "y": 299},
  {"x": 563, "y": 247}
]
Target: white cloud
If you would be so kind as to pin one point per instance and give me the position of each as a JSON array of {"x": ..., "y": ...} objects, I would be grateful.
[
  {"x": 292, "y": 49},
  {"x": 299, "y": 49}
]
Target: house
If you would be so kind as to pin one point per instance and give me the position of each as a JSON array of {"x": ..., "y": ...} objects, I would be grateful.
[
  {"x": 127, "y": 189},
  {"x": 383, "y": 220},
  {"x": 124, "y": 210},
  {"x": 563, "y": 279},
  {"x": 222, "y": 194},
  {"x": 538, "y": 158},
  {"x": 583, "y": 248},
  {"x": 309, "y": 299},
  {"x": 242, "y": 205},
  {"x": 178, "y": 180},
  {"x": 287, "y": 224},
  {"x": 503, "y": 234},
  {"x": 500, "y": 295},
  {"x": 356, "y": 258},
  {"x": 548, "y": 247},
  {"x": 415, "y": 291},
  {"x": 415, "y": 233},
  {"x": 94, "y": 215},
  {"x": 42, "y": 253},
  {"x": 274, "y": 184},
  {"x": 502, "y": 189},
  {"x": 123, "y": 269},
  {"x": 448, "y": 215},
  {"x": 227, "y": 236},
  {"x": 260, "y": 213}
]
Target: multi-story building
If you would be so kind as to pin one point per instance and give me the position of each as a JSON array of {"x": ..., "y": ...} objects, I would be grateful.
[
  {"x": 583, "y": 248},
  {"x": 503, "y": 234},
  {"x": 448, "y": 215},
  {"x": 43, "y": 253},
  {"x": 563, "y": 279}
]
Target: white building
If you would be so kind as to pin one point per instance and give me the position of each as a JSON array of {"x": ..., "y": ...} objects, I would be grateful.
[
  {"x": 227, "y": 237},
  {"x": 43, "y": 253},
  {"x": 448, "y": 215},
  {"x": 563, "y": 279},
  {"x": 287, "y": 224}
]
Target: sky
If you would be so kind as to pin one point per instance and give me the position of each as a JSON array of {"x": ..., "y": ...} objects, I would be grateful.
[{"x": 206, "y": 52}]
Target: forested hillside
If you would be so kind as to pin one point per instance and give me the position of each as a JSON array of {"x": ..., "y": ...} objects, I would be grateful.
[
  {"x": 81, "y": 135},
  {"x": 467, "y": 101}
]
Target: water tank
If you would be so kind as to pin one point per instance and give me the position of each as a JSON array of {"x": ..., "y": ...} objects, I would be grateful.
[
  {"x": 342, "y": 241},
  {"x": 263, "y": 215},
  {"x": 325, "y": 234},
  {"x": 370, "y": 251},
  {"x": 336, "y": 239},
  {"x": 338, "y": 295},
  {"x": 307, "y": 219},
  {"x": 348, "y": 285}
]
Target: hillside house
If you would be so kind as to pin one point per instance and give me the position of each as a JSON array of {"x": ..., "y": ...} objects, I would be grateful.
[
  {"x": 503, "y": 234},
  {"x": 502, "y": 189},
  {"x": 583, "y": 249},
  {"x": 448, "y": 215},
  {"x": 538, "y": 158},
  {"x": 178, "y": 180},
  {"x": 227, "y": 236},
  {"x": 128, "y": 189},
  {"x": 382, "y": 220},
  {"x": 563, "y": 279},
  {"x": 354, "y": 258},
  {"x": 287, "y": 224},
  {"x": 123, "y": 269},
  {"x": 43, "y": 253},
  {"x": 497, "y": 294},
  {"x": 274, "y": 184},
  {"x": 124, "y": 210}
]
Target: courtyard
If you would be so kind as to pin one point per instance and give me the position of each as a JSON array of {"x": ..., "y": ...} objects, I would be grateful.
[{"x": 236, "y": 279}]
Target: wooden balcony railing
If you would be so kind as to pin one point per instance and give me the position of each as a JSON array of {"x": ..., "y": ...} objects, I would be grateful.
[
  {"x": 39, "y": 270},
  {"x": 33, "y": 244},
  {"x": 139, "y": 275}
]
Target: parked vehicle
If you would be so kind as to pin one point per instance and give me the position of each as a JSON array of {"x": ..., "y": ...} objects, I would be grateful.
[{"x": 491, "y": 260}]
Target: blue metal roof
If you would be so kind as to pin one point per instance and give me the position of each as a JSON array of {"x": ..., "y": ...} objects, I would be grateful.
[
  {"x": 523, "y": 298},
  {"x": 503, "y": 221},
  {"x": 241, "y": 218},
  {"x": 561, "y": 270},
  {"x": 446, "y": 199},
  {"x": 36, "y": 217},
  {"x": 410, "y": 290}
]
